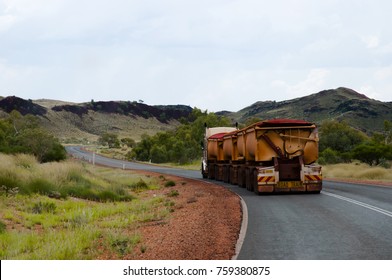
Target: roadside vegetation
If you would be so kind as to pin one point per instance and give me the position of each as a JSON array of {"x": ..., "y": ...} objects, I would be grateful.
[
  {"x": 340, "y": 143},
  {"x": 71, "y": 210},
  {"x": 347, "y": 153},
  {"x": 181, "y": 146},
  {"x": 357, "y": 171},
  {"x": 23, "y": 134}
]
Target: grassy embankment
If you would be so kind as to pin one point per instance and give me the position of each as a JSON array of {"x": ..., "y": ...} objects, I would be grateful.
[
  {"x": 357, "y": 171},
  {"x": 71, "y": 210}
]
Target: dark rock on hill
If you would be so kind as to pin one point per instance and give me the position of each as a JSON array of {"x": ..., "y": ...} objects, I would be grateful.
[
  {"x": 75, "y": 109},
  {"x": 10, "y": 103},
  {"x": 127, "y": 108},
  {"x": 87, "y": 121}
]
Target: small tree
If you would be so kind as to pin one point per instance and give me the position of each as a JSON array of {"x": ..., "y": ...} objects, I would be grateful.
[
  {"x": 129, "y": 142},
  {"x": 339, "y": 136},
  {"x": 158, "y": 153},
  {"x": 109, "y": 139},
  {"x": 23, "y": 134},
  {"x": 329, "y": 156},
  {"x": 388, "y": 132},
  {"x": 40, "y": 143},
  {"x": 372, "y": 153}
]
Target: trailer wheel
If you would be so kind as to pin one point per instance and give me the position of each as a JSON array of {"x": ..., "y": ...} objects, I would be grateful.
[
  {"x": 249, "y": 179},
  {"x": 216, "y": 172},
  {"x": 226, "y": 173},
  {"x": 241, "y": 173},
  {"x": 211, "y": 172}
]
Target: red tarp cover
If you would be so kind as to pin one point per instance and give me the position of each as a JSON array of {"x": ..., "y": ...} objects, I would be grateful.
[
  {"x": 268, "y": 123},
  {"x": 218, "y": 135},
  {"x": 281, "y": 122}
]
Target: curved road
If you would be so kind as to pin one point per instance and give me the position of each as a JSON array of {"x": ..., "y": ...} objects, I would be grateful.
[{"x": 346, "y": 221}]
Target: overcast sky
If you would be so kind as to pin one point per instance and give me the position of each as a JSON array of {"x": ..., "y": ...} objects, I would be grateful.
[{"x": 214, "y": 55}]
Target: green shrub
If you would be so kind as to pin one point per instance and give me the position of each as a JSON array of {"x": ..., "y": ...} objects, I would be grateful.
[
  {"x": 40, "y": 186},
  {"x": 173, "y": 193},
  {"x": 329, "y": 156},
  {"x": 44, "y": 207},
  {"x": 30, "y": 138},
  {"x": 339, "y": 136},
  {"x": 123, "y": 244},
  {"x": 79, "y": 220},
  {"x": 140, "y": 185},
  {"x": 107, "y": 195},
  {"x": 372, "y": 153},
  {"x": 9, "y": 181},
  {"x": 2, "y": 227},
  {"x": 121, "y": 194},
  {"x": 170, "y": 183},
  {"x": 56, "y": 153},
  {"x": 89, "y": 193},
  {"x": 83, "y": 192},
  {"x": 77, "y": 177}
]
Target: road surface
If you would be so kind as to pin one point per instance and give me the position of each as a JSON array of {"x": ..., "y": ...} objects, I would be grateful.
[{"x": 346, "y": 221}]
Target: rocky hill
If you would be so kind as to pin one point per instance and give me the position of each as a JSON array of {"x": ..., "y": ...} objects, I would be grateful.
[
  {"x": 340, "y": 104},
  {"x": 24, "y": 107},
  {"x": 86, "y": 121}
]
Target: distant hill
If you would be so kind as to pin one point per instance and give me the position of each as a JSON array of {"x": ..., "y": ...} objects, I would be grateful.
[
  {"x": 86, "y": 121},
  {"x": 71, "y": 121},
  {"x": 340, "y": 104}
]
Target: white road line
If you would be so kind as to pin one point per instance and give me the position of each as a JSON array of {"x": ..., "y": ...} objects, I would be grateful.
[{"x": 368, "y": 206}]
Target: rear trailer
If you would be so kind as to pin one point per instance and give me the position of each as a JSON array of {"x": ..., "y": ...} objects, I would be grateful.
[{"x": 269, "y": 156}]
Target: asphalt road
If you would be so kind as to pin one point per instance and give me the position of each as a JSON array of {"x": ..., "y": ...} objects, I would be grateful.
[{"x": 346, "y": 221}]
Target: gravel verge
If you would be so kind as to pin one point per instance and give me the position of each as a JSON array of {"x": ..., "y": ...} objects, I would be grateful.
[{"x": 204, "y": 225}]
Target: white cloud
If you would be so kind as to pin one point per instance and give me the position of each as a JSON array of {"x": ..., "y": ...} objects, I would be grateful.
[
  {"x": 385, "y": 49},
  {"x": 371, "y": 42},
  {"x": 384, "y": 73},
  {"x": 6, "y": 22},
  {"x": 216, "y": 55},
  {"x": 370, "y": 92},
  {"x": 6, "y": 73},
  {"x": 315, "y": 81}
]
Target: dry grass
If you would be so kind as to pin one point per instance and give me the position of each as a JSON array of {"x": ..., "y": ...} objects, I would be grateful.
[
  {"x": 34, "y": 225},
  {"x": 358, "y": 171},
  {"x": 26, "y": 168}
]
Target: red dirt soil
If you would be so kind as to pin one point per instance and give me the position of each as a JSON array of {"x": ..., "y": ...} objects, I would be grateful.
[{"x": 205, "y": 224}]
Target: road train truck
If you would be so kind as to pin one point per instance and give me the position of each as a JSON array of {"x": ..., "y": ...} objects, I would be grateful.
[{"x": 270, "y": 156}]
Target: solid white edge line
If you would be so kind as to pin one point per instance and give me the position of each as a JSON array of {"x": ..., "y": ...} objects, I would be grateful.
[
  {"x": 244, "y": 227},
  {"x": 359, "y": 203}
]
